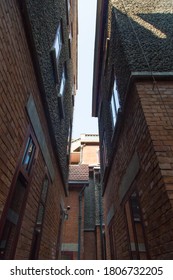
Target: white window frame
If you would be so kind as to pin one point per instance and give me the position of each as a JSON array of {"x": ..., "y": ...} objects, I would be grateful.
[{"x": 115, "y": 103}]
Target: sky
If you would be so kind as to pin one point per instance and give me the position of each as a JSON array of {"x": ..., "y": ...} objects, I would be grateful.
[{"x": 83, "y": 121}]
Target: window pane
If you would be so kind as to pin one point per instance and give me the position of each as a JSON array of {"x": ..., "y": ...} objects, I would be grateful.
[
  {"x": 68, "y": 4},
  {"x": 115, "y": 93},
  {"x": 18, "y": 196},
  {"x": 7, "y": 240},
  {"x": 11, "y": 224},
  {"x": 58, "y": 41},
  {"x": 29, "y": 154},
  {"x": 63, "y": 79},
  {"x": 35, "y": 245},
  {"x": 40, "y": 214},
  {"x": 44, "y": 190},
  {"x": 114, "y": 117},
  {"x": 135, "y": 228},
  {"x": 115, "y": 105},
  {"x": 135, "y": 207}
]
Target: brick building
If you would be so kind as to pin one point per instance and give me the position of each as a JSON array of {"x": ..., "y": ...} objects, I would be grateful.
[
  {"x": 133, "y": 100},
  {"x": 83, "y": 236},
  {"x": 38, "y": 80}
]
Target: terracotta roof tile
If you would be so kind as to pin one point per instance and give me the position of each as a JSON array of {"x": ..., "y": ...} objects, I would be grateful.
[{"x": 79, "y": 172}]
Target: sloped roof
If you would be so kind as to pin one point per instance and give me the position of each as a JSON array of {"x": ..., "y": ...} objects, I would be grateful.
[{"x": 79, "y": 172}]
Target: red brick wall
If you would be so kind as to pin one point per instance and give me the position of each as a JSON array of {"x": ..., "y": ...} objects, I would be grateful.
[
  {"x": 17, "y": 82},
  {"x": 98, "y": 244},
  {"x": 146, "y": 129},
  {"x": 89, "y": 245},
  {"x": 71, "y": 226},
  {"x": 157, "y": 105}
]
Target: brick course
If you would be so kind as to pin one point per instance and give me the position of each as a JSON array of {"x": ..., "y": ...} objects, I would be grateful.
[
  {"x": 146, "y": 132},
  {"x": 17, "y": 82}
]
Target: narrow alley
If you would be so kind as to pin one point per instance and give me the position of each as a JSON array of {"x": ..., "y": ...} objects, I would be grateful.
[{"x": 101, "y": 196}]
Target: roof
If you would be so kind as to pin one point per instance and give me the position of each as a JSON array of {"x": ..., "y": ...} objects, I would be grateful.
[{"x": 79, "y": 172}]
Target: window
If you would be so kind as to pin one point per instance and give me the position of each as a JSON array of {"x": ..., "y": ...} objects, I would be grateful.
[
  {"x": 69, "y": 139},
  {"x": 135, "y": 228},
  {"x": 15, "y": 205},
  {"x": 58, "y": 41},
  {"x": 63, "y": 80},
  {"x": 115, "y": 105},
  {"x": 56, "y": 49},
  {"x": 28, "y": 155},
  {"x": 68, "y": 7},
  {"x": 69, "y": 4},
  {"x": 61, "y": 92},
  {"x": 12, "y": 219},
  {"x": 70, "y": 38},
  {"x": 39, "y": 221}
]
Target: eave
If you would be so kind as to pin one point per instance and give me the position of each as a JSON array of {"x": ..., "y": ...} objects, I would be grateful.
[{"x": 98, "y": 51}]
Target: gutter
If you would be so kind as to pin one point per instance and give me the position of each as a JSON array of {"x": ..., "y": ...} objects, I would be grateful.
[{"x": 80, "y": 220}]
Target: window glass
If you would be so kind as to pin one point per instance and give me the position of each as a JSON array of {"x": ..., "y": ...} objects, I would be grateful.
[
  {"x": 40, "y": 214},
  {"x": 63, "y": 80},
  {"x": 135, "y": 228},
  {"x": 44, "y": 190},
  {"x": 11, "y": 224},
  {"x": 68, "y": 1},
  {"x": 114, "y": 115},
  {"x": 58, "y": 41},
  {"x": 29, "y": 154},
  {"x": 14, "y": 209},
  {"x": 115, "y": 104}
]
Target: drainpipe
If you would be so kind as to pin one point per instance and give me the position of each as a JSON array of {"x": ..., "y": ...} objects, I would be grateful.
[
  {"x": 80, "y": 220},
  {"x": 101, "y": 222}
]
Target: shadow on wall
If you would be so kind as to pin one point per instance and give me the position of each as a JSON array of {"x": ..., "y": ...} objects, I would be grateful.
[{"x": 141, "y": 42}]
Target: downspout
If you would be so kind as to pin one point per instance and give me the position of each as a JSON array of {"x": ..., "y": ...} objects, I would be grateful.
[
  {"x": 101, "y": 222},
  {"x": 80, "y": 220}
]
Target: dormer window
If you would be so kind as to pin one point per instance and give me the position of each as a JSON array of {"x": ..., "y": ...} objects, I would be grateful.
[
  {"x": 115, "y": 104},
  {"x": 58, "y": 41},
  {"x": 68, "y": 7},
  {"x": 56, "y": 49},
  {"x": 63, "y": 80},
  {"x": 62, "y": 91}
]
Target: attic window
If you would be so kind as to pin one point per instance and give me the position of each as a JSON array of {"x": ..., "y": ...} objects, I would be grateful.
[
  {"x": 63, "y": 80},
  {"x": 61, "y": 91},
  {"x": 115, "y": 104},
  {"x": 56, "y": 49}
]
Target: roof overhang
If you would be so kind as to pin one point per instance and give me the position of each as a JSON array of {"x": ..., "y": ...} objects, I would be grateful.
[{"x": 99, "y": 33}]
